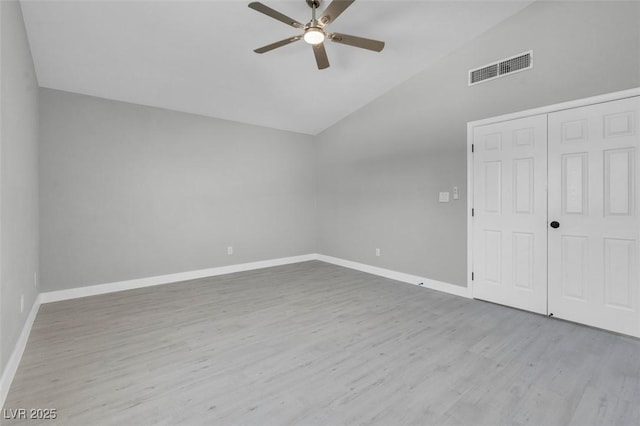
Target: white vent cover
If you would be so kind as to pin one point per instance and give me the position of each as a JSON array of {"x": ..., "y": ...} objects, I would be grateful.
[{"x": 520, "y": 62}]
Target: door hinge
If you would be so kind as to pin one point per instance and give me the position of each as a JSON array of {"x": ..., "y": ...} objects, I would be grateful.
[
  {"x": 472, "y": 276},
  {"x": 473, "y": 212},
  {"x": 472, "y": 147}
]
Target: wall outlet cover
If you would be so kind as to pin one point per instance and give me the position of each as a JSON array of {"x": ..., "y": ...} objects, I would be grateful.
[{"x": 444, "y": 197}]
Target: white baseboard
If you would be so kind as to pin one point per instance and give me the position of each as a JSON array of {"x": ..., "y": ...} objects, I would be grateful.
[
  {"x": 399, "y": 276},
  {"x": 55, "y": 296},
  {"x": 74, "y": 293},
  {"x": 14, "y": 360}
]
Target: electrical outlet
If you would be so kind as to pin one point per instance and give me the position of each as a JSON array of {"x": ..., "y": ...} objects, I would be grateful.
[
  {"x": 229, "y": 250},
  {"x": 21, "y": 303},
  {"x": 378, "y": 252},
  {"x": 456, "y": 195}
]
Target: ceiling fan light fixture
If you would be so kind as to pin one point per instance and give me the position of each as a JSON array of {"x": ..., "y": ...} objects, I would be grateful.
[{"x": 314, "y": 35}]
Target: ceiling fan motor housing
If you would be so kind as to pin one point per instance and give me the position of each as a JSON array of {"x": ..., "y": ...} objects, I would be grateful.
[{"x": 314, "y": 3}]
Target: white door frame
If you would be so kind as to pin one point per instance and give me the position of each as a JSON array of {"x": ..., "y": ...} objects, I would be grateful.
[{"x": 506, "y": 117}]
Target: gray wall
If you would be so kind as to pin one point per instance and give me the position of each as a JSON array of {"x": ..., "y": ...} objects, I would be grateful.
[
  {"x": 129, "y": 191},
  {"x": 381, "y": 168},
  {"x": 18, "y": 177}
]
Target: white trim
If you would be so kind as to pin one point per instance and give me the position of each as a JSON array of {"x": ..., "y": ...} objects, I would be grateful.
[
  {"x": 74, "y": 293},
  {"x": 398, "y": 276},
  {"x": 576, "y": 103},
  {"x": 54, "y": 296},
  {"x": 14, "y": 360}
]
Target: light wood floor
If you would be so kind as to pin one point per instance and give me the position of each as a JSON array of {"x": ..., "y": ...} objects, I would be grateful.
[{"x": 317, "y": 344}]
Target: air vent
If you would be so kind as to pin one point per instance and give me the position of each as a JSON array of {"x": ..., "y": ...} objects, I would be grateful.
[{"x": 521, "y": 62}]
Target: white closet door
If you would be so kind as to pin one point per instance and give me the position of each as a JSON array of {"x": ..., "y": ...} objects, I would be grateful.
[
  {"x": 509, "y": 226},
  {"x": 593, "y": 196}
]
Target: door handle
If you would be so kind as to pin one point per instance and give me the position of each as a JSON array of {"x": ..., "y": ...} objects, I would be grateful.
[{"x": 555, "y": 224}]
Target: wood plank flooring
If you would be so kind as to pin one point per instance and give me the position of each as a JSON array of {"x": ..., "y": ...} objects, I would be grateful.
[{"x": 317, "y": 344}]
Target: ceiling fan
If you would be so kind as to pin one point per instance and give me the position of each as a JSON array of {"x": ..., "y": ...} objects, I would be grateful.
[{"x": 314, "y": 31}]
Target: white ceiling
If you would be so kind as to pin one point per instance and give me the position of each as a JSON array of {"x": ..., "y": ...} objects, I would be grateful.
[{"x": 197, "y": 56}]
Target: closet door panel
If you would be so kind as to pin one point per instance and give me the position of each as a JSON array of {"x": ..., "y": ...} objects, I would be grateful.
[
  {"x": 593, "y": 195},
  {"x": 509, "y": 226}
]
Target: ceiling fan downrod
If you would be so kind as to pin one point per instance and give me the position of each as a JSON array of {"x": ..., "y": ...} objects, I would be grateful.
[{"x": 314, "y": 21}]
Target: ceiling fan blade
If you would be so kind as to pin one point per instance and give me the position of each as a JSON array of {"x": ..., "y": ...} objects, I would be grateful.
[
  {"x": 321, "y": 56},
  {"x": 277, "y": 44},
  {"x": 275, "y": 14},
  {"x": 334, "y": 10},
  {"x": 363, "y": 43}
]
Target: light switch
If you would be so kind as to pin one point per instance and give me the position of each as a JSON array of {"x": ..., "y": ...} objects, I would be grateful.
[{"x": 444, "y": 197}]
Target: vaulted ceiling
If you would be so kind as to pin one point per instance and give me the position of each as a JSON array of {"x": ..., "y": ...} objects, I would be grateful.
[{"x": 197, "y": 56}]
